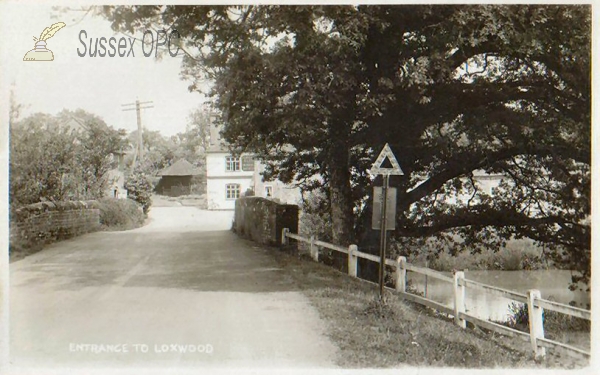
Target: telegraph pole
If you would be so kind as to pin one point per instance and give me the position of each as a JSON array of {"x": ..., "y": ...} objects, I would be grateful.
[{"x": 138, "y": 107}]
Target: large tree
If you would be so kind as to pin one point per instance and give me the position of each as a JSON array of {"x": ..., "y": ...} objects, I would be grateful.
[
  {"x": 60, "y": 157},
  {"x": 318, "y": 90}
]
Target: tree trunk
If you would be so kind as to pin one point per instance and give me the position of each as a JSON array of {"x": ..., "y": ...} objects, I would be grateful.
[{"x": 340, "y": 194}]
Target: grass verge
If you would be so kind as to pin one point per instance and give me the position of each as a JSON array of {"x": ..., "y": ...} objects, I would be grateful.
[
  {"x": 23, "y": 248},
  {"x": 397, "y": 333}
]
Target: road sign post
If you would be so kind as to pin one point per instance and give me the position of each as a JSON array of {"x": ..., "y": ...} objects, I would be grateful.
[
  {"x": 383, "y": 234},
  {"x": 390, "y": 211},
  {"x": 385, "y": 221}
]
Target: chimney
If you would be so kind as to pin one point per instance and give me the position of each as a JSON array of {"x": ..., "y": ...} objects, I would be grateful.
[
  {"x": 215, "y": 137},
  {"x": 214, "y": 134}
]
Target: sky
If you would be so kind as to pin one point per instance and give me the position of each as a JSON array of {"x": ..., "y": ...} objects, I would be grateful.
[{"x": 99, "y": 85}]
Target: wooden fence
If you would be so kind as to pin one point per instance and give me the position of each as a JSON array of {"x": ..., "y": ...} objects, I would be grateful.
[{"x": 535, "y": 303}]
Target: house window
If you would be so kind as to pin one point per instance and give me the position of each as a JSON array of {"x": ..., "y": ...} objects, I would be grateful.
[
  {"x": 268, "y": 191},
  {"x": 232, "y": 191},
  {"x": 232, "y": 164}
]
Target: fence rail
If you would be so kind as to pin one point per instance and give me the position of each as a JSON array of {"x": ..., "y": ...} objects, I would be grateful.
[
  {"x": 533, "y": 300},
  {"x": 565, "y": 309},
  {"x": 515, "y": 296},
  {"x": 428, "y": 272}
]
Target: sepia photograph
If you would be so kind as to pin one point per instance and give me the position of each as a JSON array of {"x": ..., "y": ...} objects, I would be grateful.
[{"x": 271, "y": 187}]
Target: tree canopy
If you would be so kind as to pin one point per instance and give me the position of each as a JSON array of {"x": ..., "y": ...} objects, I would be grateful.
[
  {"x": 61, "y": 157},
  {"x": 316, "y": 91}
]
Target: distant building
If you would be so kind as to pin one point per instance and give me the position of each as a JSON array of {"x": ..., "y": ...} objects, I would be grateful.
[
  {"x": 177, "y": 179},
  {"x": 229, "y": 177},
  {"x": 485, "y": 183},
  {"x": 275, "y": 189}
]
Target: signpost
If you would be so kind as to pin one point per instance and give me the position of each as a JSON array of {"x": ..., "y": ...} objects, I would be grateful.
[
  {"x": 390, "y": 209},
  {"x": 384, "y": 205}
]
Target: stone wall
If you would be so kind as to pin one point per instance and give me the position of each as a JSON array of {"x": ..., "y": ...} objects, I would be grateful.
[
  {"x": 53, "y": 220},
  {"x": 262, "y": 220}
]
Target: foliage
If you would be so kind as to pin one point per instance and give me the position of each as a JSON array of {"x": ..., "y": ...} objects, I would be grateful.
[
  {"x": 139, "y": 188},
  {"x": 120, "y": 214},
  {"x": 316, "y": 91},
  {"x": 197, "y": 134},
  {"x": 518, "y": 316},
  {"x": 516, "y": 255},
  {"x": 38, "y": 150},
  {"x": 315, "y": 219},
  {"x": 62, "y": 157}
]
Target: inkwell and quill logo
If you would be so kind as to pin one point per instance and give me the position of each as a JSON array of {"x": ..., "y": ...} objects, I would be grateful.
[{"x": 40, "y": 52}]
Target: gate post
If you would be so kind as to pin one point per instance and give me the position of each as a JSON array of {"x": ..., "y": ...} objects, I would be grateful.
[
  {"x": 284, "y": 238},
  {"x": 536, "y": 323},
  {"x": 459, "y": 298},
  {"x": 352, "y": 260},
  {"x": 314, "y": 250},
  {"x": 401, "y": 274}
]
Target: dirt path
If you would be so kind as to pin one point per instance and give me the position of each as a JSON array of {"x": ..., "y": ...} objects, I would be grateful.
[{"x": 182, "y": 291}]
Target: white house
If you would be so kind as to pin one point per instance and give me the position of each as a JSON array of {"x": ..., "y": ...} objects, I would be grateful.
[{"x": 229, "y": 177}]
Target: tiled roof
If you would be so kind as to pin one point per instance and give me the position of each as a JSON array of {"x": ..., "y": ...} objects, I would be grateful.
[{"x": 181, "y": 167}]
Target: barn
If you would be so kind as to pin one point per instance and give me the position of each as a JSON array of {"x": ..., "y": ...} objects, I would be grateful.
[{"x": 177, "y": 179}]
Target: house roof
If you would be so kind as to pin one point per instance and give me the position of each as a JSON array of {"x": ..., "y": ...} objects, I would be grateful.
[
  {"x": 217, "y": 148},
  {"x": 181, "y": 167}
]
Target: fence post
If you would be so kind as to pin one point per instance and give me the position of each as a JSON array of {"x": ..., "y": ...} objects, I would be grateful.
[
  {"x": 459, "y": 299},
  {"x": 284, "y": 238},
  {"x": 536, "y": 323},
  {"x": 401, "y": 274},
  {"x": 314, "y": 250},
  {"x": 352, "y": 261}
]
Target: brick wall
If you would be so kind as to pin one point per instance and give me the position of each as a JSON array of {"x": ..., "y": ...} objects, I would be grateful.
[
  {"x": 53, "y": 220},
  {"x": 262, "y": 220}
]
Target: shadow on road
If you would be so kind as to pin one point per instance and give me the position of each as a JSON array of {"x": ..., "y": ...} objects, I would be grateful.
[{"x": 201, "y": 261}]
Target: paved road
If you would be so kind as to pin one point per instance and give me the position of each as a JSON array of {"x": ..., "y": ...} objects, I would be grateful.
[{"x": 141, "y": 298}]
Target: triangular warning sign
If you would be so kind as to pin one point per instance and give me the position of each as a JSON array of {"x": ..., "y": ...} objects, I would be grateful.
[{"x": 386, "y": 153}]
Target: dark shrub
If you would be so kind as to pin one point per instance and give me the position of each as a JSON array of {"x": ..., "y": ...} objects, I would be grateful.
[
  {"x": 139, "y": 188},
  {"x": 120, "y": 214}
]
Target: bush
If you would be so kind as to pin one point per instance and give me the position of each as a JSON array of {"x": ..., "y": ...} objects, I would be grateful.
[
  {"x": 120, "y": 214},
  {"x": 139, "y": 188},
  {"x": 53, "y": 162},
  {"x": 315, "y": 219},
  {"x": 518, "y": 316}
]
